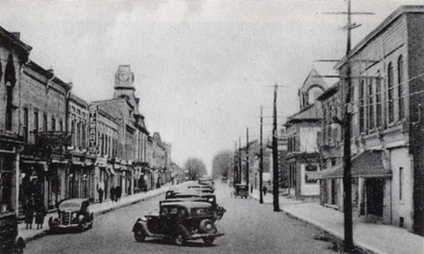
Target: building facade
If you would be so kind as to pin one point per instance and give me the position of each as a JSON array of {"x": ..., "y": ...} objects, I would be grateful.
[{"x": 386, "y": 128}]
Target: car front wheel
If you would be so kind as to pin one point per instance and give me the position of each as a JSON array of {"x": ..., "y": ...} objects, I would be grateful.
[
  {"x": 139, "y": 235},
  {"x": 180, "y": 238}
]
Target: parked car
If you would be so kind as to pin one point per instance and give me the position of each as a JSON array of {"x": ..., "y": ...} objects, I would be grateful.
[
  {"x": 190, "y": 195},
  {"x": 180, "y": 221},
  {"x": 202, "y": 188},
  {"x": 10, "y": 242},
  {"x": 206, "y": 181},
  {"x": 73, "y": 214}
]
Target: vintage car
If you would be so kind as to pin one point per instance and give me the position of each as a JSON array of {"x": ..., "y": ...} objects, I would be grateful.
[
  {"x": 202, "y": 188},
  {"x": 72, "y": 214},
  {"x": 206, "y": 181},
  {"x": 180, "y": 221},
  {"x": 190, "y": 195},
  {"x": 10, "y": 242},
  {"x": 240, "y": 190}
]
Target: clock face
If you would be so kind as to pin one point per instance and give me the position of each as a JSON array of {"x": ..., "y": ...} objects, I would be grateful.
[{"x": 123, "y": 76}]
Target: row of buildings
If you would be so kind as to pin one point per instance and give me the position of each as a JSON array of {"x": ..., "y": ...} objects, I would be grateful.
[
  {"x": 55, "y": 145},
  {"x": 387, "y": 128}
]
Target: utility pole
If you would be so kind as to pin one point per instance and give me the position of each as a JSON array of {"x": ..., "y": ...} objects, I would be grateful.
[
  {"x": 239, "y": 173},
  {"x": 275, "y": 179},
  {"x": 261, "y": 163},
  {"x": 247, "y": 158},
  {"x": 347, "y": 174},
  {"x": 235, "y": 164}
]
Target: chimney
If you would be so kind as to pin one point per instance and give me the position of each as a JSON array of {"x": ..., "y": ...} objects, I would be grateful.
[{"x": 17, "y": 35}]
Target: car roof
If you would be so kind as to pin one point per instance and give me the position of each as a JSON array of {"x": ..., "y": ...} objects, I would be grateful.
[
  {"x": 194, "y": 193},
  {"x": 74, "y": 201},
  {"x": 188, "y": 204}
]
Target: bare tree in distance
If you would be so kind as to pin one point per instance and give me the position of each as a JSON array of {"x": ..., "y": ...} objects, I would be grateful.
[
  {"x": 221, "y": 164},
  {"x": 195, "y": 168}
]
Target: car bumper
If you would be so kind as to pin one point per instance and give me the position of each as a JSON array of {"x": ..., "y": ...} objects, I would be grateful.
[{"x": 203, "y": 235}]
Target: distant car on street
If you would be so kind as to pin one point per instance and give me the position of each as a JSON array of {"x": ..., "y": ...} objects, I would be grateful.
[
  {"x": 190, "y": 195},
  {"x": 202, "y": 188},
  {"x": 180, "y": 221},
  {"x": 72, "y": 214}
]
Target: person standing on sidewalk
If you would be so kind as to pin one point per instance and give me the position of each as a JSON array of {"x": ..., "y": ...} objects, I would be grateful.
[
  {"x": 29, "y": 214},
  {"x": 112, "y": 194},
  {"x": 100, "y": 191},
  {"x": 39, "y": 216}
]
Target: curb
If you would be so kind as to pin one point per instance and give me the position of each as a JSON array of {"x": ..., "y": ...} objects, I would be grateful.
[{"x": 334, "y": 233}]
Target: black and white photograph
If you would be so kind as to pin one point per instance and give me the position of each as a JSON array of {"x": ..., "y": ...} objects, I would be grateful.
[{"x": 212, "y": 126}]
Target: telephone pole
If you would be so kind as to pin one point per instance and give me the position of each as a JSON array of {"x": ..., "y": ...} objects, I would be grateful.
[
  {"x": 261, "y": 163},
  {"x": 275, "y": 189},
  {"x": 247, "y": 158},
  {"x": 347, "y": 174}
]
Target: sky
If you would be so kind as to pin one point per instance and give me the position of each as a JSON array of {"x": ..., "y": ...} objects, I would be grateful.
[{"x": 202, "y": 69}]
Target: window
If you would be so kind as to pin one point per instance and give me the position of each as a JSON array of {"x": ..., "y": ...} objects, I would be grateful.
[
  {"x": 60, "y": 125},
  {"x": 362, "y": 106},
  {"x": 9, "y": 81},
  {"x": 73, "y": 132},
  {"x": 400, "y": 183},
  {"x": 83, "y": 136},
  {"x": 390, "y": 93},
  {"x": 25, "y": 125},
  {"x": 44, "y": 122},
  {"x": 36, "y": 125},
  {"x": 378, "y": 101},
  {"x": 310, "y": 168},
  {"x": 370, "y": 104},
  {"x": 401, "y": 86},
  {"x": 53, "y": 124}
]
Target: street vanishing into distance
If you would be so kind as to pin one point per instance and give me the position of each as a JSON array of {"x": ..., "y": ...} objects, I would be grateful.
[{"x": 249, "y": 227}]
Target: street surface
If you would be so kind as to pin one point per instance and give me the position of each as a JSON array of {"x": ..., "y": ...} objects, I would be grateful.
[{"x": 249, "y": 228}]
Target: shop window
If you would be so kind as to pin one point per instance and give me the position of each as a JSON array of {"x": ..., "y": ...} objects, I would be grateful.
[{"x": 310, "y": 168}]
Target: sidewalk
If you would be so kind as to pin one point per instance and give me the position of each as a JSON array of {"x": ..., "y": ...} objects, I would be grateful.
[
  {"x": 377, "y": 238},
  {"x": 107, "y": 206}
]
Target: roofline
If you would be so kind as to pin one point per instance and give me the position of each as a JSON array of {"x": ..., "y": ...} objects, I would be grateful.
[
  {"x": 390, "y": 19},
  {"x": 15, "y": 41},
  {"x": 39, "y": 69}
]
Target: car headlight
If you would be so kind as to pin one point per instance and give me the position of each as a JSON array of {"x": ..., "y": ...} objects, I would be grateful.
[
  {"x": 80, "y": 218},
  {"x": 74, "y": 215}
]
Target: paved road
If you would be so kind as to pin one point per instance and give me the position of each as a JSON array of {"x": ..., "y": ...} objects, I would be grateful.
[{"x": 249, "y": 228}]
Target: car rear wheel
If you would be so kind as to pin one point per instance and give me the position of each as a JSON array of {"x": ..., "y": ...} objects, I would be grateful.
[
  {"x": 208, "y": 240},
  {"x": 139, "y": 235}
]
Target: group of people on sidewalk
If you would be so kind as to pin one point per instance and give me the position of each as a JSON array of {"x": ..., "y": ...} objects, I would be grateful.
[{"x": 40, "y": 212}]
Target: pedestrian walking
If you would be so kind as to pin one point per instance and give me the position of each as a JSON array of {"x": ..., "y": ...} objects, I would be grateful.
[
  {"x": 100, "y": 191},
  {"x": 39, "y": 216},
  {"x": 112, "y": 194},
  {"x": 264, "y": 190},
  {"x": 29, "y": 215}
]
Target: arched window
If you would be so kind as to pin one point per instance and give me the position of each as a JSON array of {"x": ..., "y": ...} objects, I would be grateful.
[
  {"x": 401, "y": 88},
  {"x": 390, "y": 93}
]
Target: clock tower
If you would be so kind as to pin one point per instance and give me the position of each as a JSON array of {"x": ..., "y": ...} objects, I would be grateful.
[{"x": 124, "y": 78}]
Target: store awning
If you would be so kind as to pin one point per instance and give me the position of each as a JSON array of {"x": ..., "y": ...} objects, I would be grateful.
[{"x": 369, "y": 164}]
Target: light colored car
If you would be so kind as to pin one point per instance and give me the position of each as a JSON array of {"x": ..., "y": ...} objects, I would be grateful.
[{"x": 72, "y": 214}]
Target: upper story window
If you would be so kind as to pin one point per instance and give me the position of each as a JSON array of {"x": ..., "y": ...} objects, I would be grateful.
[
  {"x": 378, "y": 101},
  {"x": 53, "y": 124},
  {"x": 36, "y": 121},
  {"x": 45, "y": 122},
  {"x": 390, "y": 93},
  {"x": 371, "y": 105},
  {"x": 25, "y": 126},
  {"x": 362, "y": 106},
  {"x": 401, "y": 88}
]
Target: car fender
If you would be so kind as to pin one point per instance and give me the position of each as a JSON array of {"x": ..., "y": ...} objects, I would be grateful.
[
  {"x": 20, "y": 243},
  {"x": 141, "y": 224}
]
